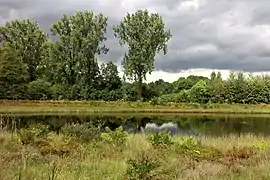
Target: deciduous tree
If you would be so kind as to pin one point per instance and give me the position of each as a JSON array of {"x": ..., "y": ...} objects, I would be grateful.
[
  {"x": 145, "y": 35},
  {"x": 27, "y": 38}
]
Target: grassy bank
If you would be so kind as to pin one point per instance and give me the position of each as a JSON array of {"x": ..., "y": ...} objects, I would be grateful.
[
  {"x": 76, "y": 154},
  {"x": 24, "y": 107}
]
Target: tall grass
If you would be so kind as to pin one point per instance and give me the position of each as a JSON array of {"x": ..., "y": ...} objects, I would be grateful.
[{"x": 155, "y": 156}]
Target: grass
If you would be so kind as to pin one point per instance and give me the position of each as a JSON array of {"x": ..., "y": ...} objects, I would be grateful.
[
  {"x": 90, "y": 107},
  {"x": 57, "y": 157}
]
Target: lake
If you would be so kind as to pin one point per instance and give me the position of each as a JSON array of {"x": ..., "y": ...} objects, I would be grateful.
[{"x": 207, "y": 125}]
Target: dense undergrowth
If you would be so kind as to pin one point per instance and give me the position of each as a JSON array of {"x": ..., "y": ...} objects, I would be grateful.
[{"x": 88, "y": 152}]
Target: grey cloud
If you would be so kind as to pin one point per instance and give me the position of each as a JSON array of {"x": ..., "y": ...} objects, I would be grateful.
[{"x": 223, "y": 34}]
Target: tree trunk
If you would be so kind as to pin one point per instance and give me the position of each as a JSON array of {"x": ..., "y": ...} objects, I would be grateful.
[
  {"x": 140, "y": 98},
  {"x": 32, "y": 73}
]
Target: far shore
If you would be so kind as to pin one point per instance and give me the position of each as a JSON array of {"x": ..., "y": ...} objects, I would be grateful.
[{"x": 122, "y": 107}]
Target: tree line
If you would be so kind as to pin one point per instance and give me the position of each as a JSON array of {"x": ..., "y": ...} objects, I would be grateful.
[{"x": 62, "y": 64}]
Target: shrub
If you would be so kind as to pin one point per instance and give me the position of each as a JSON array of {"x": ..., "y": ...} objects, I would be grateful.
[
  {"x": 39, "y": 90},
  {"x": 85, "y": 132},
  {"x": 58, "y": 145},
  {"x": 33, "y": 134},
  {"x": 162, "y": 139},
  {"x": 117, "y": 137},
  {"x": 182, "y": 96},
  {"x": 142, "y": 167},
  {"x": 59, "y": 92}
]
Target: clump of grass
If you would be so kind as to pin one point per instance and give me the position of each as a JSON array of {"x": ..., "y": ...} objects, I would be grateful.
[
  {"x": 83, "y": 132},
  {"x": 190, "y": 147},
  {"x": 32, "y": 134},
  {"x": 61, "y": 146},
  {"x": 147, "y": 165}
]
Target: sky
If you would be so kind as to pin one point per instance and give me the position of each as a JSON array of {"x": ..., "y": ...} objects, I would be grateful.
[{"x": 207, "y": 35}]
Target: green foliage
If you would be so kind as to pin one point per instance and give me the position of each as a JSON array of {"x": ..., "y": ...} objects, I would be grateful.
[
  {"x": 183, "y": 96},
  {"x": 187, "y": 83},
  {"x": 27, "y": 37},
  {"x": 162, "y": 139},
  {"x": 33, "y": 134},
  {"x": 85, "y": 132},
  {"x": 73, "y": 56},
  {"x": 36, "y": 67},
  {"x": 39, "y": 90},
  {"x": 59, "y": 92},
  {"x": 145, "y": 35},
  {"x": 110, "y": 78},
  {"x": 189, "y": 146},
  {"x": 199, "y": 92},
  {"x": 117, "y": 137},
  {"x": 13, "y": 73},
  {"x": 142, "y": 167},
  {"x": 57, "y": 145},
  {"x": 261, "y": 145}
]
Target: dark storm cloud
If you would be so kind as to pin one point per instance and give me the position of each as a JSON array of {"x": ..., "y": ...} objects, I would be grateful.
[{"x": 223, "y": 34}]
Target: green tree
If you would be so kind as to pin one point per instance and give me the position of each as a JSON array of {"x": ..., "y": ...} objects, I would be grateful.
[
  {"x": 80, "y": 38},
  {"x": 13, "y": 73},
  {"x": 199, "y": 92},
  {"x": 236, "y": 88},
  {"x": 26, "y": 37},
  {"x": 110, "y": 76},
  {"x": 216, "y": 88},
  {"x": 145, "y": 35}
]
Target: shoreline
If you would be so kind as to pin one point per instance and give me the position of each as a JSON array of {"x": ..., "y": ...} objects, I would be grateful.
[{"x": 120, "y": 107}]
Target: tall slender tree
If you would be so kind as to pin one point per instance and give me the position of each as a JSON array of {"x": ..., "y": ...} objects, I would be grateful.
[{"x": 145, "y": 35}]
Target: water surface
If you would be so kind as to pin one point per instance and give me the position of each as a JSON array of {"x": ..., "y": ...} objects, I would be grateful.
[{"x": 209, "y": 125}]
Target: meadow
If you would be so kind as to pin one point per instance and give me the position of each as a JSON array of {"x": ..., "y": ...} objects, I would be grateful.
[{"x": 84, "y": 151}]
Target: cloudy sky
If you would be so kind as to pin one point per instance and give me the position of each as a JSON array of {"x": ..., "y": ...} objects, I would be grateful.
[{"x": 207, "y": 34}]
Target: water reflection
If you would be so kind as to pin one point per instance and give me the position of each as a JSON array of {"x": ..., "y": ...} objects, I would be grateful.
[{"x": 183, "y": 124}]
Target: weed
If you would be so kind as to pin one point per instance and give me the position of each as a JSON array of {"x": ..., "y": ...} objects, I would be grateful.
[
  {"x": 117, "y": 137},
  {"x": 53, "y": 174},
  {"x": 261, "y": 145},
  {"x": 189, "y": 146},
  {"x": 60, "y": 146},
  {"x": 32, "y": 134},
  {"x": 162, "y": 139},
  {"x": 142, "y": 167}
]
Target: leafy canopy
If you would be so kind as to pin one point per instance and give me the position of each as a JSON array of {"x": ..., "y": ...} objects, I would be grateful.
[
  {"x": 28, "y": 38},
  {"x": 145, "y": 35}
]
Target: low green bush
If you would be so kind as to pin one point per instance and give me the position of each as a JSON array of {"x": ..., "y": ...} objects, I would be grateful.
[
  {"x": 142, "y": 167},
  {"x": 32, "y": 134},
  {"x": 162, "y": 139},
  {"x": 85, "y": 132},
  {"x": 117, "y": 137}
]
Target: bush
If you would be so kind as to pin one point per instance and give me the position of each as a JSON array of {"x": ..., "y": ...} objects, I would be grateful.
[
  {"x": 59, "y": 92},
  {"x": 162, "y": 139},
  {"x": 142, "y": 167},
  {"x": 85, "y": 132},
  {"x": 58, "y": 145},
  {"x": 182, "y": 96},
  {"x": 33, "y": 134},
  {"x": 117, "y": 137},
  {"x": 39, "y": 90}
]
